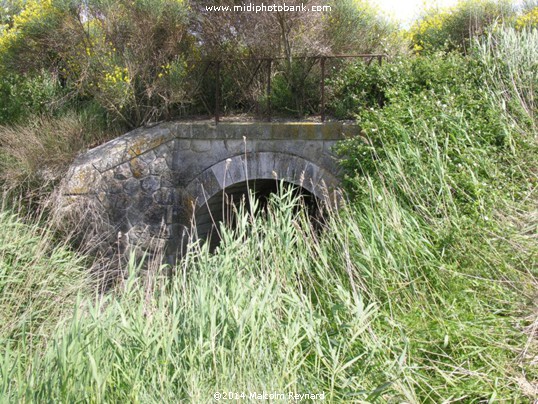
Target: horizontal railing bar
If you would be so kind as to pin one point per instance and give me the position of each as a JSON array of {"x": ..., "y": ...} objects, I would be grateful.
[{"x": 362, "y": 55}]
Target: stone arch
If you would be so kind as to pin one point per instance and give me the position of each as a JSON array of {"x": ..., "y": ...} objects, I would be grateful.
[
  {"x": 263, "y": 166},
  {"x": 262, "y": 171}
]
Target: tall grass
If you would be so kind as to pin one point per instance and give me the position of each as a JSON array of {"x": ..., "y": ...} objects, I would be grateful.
[
  {"x": 267, "y": 312},
  {"x": 39, "y": 279},
  {"x": 36, "y": 153},
  {"x": 445, "y": 151},
  {"x": 511, "y": 60},
  {"x": 365, "y": 310},
  {"x": 420, "y": 289}
]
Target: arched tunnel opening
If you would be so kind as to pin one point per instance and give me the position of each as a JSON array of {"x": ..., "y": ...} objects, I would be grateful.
[{"x": 221, "y": 207}]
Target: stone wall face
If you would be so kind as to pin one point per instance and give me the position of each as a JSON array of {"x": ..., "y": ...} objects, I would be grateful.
[{"x": 147, "y": 184}]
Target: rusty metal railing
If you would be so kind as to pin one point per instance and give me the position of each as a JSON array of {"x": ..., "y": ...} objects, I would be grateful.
[{"x": 269, "y": 63}]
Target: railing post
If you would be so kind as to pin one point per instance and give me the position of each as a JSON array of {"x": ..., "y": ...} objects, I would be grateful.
[
  {"x": 269, "y": 70},
  {"x": 369, "y": 58},
  {"x": 217, "y": 92},
  {"x": 322, "y": 62}
]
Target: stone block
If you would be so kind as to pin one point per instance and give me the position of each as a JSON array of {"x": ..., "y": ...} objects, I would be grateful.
[
  {"x": 200, "y": 146},
  {"x": 148, "y": 157},
  {"x": 133, "y": 216},
  {"x": 121, "y": 201},
  {"x": 155, "y": 214},
  {"x": 144, "y": 202},
  {"x": 236, "y": 171},
  {"x": 115, "y": 187},
  {"x": 181, "y": 130},
  {"x": 158, "y": 166},
  {"x": 329, "y": 147},
  {"x": 237, "y": 147},
  {"x": 131, "y": 186},
  {"x": 182, "y": 144},
  {"x": 265, "y": 163},
  {"x": 205, "y": 186},
  {"x": 123, "y": 171},
  {"x": 81, "y": 180},
  {"x": 164, "y": 196},
  {"x": 202, "y": 130},
  {"x": 168, "y": 179},
  {"x": 138, "y": 168},
  {"x": 150, "y": 184}
]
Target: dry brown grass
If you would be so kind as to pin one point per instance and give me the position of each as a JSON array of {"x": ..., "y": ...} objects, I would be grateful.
[{"x": 35, "y": 155}]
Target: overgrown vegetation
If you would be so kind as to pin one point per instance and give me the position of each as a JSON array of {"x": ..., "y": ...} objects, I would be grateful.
[
  {"x": 422, "y": 288},
  {"x": 369, "y": 309},
  {"x": 455, "y": 28},
  {"x": 454, "y": 143}
]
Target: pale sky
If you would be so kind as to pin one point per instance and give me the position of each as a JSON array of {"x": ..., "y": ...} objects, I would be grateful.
[{"x": 407, "y": 10}]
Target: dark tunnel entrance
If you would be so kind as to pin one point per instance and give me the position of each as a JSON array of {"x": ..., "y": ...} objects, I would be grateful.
[{"x": 221, "y": 206}]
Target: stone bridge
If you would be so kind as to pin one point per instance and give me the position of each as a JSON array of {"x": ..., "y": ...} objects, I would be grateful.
[{"x": 148, "y": 187}]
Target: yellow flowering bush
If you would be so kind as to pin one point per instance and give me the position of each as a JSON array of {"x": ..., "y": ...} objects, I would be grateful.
[
  {"x": 528, "y": 20},
  {"x": 31, "y": 39},
  {"x": 115, "y": 87},
  {"x": 452, "y": 28},
  {"x": 33, "y": 11},
  {"x": 131, "y": 58},
  {"x": 427, "y": 33},
  {"x": 34, "y": 14},
  {"x": 124, "y": 54}
]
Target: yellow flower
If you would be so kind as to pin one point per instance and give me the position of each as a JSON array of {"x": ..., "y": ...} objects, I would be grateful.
[{"x": 529, "y": 19}]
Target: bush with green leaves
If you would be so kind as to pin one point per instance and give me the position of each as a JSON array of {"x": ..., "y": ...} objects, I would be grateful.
[
  {"x": 128, "y": 56},
  {"x": 440, "y": 112},
  {"x": 455, "y": 28},
  {"x": 357, "y": 26},
  {"x": 25, "y": 95},
  {"x": 357, "y": 87},
  {"x": 296, "y": 89}
]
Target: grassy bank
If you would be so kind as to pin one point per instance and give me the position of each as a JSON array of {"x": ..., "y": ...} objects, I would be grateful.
[
  {"x": 422, "y": 288},
  {"x": 367, "y": 309}
]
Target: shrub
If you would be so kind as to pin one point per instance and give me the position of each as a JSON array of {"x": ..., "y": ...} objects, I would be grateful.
[
  {"x": 358, "y": 86},
  {"x": 454, "y": 28},
  {"x": 528, "y": 20},
  {"x": 437, "y": 112},
  {"x": 356, "y": 26},
  {"x": 127, "y": 56},
  {"x": 25, "y": 95},
  {"x": 133, "y": 64},
  {"x": 33, "y": 38},
  {"x": 295, "y": 89}
]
